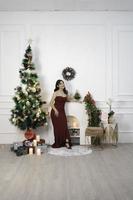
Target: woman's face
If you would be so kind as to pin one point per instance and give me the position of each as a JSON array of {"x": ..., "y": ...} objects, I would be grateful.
[{"x": 61, "y": 85}]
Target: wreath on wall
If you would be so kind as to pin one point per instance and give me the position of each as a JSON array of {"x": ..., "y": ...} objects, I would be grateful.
[{"x": 68, "y": 73}]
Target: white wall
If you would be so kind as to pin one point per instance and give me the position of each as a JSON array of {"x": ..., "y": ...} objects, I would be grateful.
[{"x": 98, "y": 45}]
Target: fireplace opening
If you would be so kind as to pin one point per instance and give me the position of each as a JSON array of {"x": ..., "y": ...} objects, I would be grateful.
[{"x": 74, "y": 129}]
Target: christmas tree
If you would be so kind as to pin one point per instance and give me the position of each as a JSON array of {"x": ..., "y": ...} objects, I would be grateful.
[
  {"x": 94, "y": 115},
  {"x": 93, "y": 112},
  {"x": 28, "y": 112}
]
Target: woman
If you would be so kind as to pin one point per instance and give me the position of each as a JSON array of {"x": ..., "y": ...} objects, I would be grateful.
[{"x": 58, "y": 116}]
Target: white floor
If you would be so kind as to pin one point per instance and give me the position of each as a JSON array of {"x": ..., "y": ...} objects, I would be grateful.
[{"x": 102, "y": 175}]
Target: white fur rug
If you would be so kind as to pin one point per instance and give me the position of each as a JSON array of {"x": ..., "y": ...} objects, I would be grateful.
[{"x": 75, "y": 151}]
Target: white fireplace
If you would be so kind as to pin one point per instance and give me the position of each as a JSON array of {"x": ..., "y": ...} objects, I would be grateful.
[
  {"x": 77, "y": 110},
  {"x": 74, "y": 129}
]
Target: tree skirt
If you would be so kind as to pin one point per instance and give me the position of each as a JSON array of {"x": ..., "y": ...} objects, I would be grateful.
[{"x": 75, "y": 151}]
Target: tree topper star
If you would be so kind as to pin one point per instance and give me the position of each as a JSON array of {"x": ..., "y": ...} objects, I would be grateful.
[{"x": 30, "y": 41}]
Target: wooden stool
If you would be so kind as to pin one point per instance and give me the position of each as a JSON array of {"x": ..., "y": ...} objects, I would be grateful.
[{"x": 94, "y": 132}]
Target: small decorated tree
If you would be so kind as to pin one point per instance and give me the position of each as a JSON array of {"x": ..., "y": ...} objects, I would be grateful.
[
  {"x": 28, "y": 112},
  {"x": 94, "y": 114},
  {"x": 77, "y": 95},
  {"x": 92, "y": 111}
]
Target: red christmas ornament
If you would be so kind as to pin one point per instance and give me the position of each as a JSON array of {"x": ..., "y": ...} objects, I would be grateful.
[{"x": 29, "y": 134}]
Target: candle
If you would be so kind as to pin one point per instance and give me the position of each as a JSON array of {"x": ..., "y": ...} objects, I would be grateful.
[
  {"x": 38, "y": 152},
  {"x": 34, "y": 143},
  {"x": 38, "y": 138},
  {"x": 30, "y": 151},
  {"x": 89, "y": 140}
]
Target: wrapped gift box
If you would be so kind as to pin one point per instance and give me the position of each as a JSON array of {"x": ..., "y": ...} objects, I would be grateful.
[
  {"x": 15, "y": 145},
  {"x": 43, "y": 147},
  {"x": 22, "y": 150}
]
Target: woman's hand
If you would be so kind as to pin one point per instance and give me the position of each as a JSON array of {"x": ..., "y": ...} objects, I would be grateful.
[
  {"x": 70, "y": 98},
  {"x": 56, "y": 112}
]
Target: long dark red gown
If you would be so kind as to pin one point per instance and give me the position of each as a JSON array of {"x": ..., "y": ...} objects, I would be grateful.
[{"x": 61, "y": 132}]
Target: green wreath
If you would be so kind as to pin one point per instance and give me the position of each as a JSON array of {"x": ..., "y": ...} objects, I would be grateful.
[{"x": 68, "y": 73}]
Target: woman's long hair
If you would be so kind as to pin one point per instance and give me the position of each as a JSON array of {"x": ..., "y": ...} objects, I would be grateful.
[{"x": 57, "y": 86}]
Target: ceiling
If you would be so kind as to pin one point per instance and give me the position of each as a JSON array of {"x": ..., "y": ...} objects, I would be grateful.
[{"x": 66, "y": 5}]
